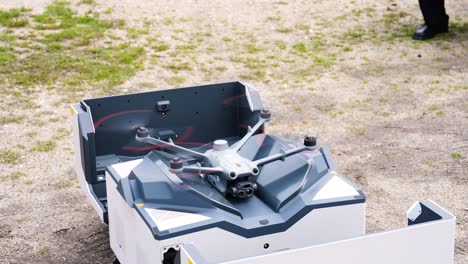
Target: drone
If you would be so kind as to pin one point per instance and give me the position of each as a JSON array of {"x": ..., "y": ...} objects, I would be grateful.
[{"x": 222, "y": 166}]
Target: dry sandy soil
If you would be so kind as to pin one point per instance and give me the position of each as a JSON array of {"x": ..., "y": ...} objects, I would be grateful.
[{"x": 394, "y": 111}]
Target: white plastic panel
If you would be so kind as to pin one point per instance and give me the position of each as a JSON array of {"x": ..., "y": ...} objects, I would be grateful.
[
  {"x": 165, "y": 219},
  {"x": 426, "y": 243},
  {"x": 336, "y": 187},
  {"x": 78, "y": 167},
  {"x": 124, "y": 169}
]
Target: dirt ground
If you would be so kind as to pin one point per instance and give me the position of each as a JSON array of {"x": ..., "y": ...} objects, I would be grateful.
[{"x": 393, "y": 110}]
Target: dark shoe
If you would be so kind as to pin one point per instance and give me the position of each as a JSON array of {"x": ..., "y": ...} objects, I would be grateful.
[{"x": 427, "y": 32}]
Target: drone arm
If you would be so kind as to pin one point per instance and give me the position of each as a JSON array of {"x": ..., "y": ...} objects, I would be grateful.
[
  {"x": 238, "y": 145},
  {"x": 282, "y": 156},
  {"x": 181, "y": 151},
  {"x": 202, "y": 170}
]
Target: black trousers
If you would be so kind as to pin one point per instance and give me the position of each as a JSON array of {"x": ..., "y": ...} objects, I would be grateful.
[{"x": 434, "y": 12}]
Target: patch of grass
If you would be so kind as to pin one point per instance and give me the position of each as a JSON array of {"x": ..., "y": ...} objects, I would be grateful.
[
  {"x": 439, "y": 90},
  {"x": 70, "y": 183},
  {"x": 253, "y": 48},
  {"x": 176, "y": 80},
  {"x": 389, "y": 19},
  {"x": 369, "y": 11},
  {"x": 254, "y": 63},
  {"x": 186, "y": 48},
  {"x": 359, "y": 131},
  {"x": 61, "y": 134},
  {"x": 88, "y": 2},
  {"x": 168, "y": 21},
  {"x": 54, "y": 47},
  {"x": 433, "y": 108},
  {"x": 62, "y": 61},
  {"x": 255, "y": 75},
  {"x": 456, "y": 155},
  {"x": 273, "y": 18},
  {"x": 300, "y": 47},
  {"x": 281, "y": 44},
  {"x": 161, "y": 47},
  {"x": 394, "y": 87},
  {"x": 176, "y": 67},
  {"x": 44, "y": 146},
  {"x": 383, "y": 100},
  {"x": 6, "y": 56},
  {"x": 319, "y": 43},
  {"x": 458, "y": 25},
  {"x": 284, "y": 30},
  {"x": 9, "y": 157},
  {"x": 147, "y": 84},
  {"x": 221, "y": 68},
  {"x": 108, "y": 11},
  {"x": 11, "y": 119},
  {"x": 301, "y": 73},
  {"x": 323, "y": 61},
  {"x": 125, "y": 55},
  {"x": 227, "y": 39},
  {"x": 120, "y": 23},
  {"x": 82, "y": 29},
  {"x": 107, "y": 66},
  {"x": 304, "y": 27},
  {"x": 136, "y": 32},
  {"x": 19, "y": 146},
  {"x": 15, "y": 175},
  {"x": 31, "y": 134},
  {"x": 208, "y": 72},
  {"x": 14, "y": 18},
  {"x": 428, "y": 162},
  {"x": 44, "y": 19},
  {"x": 37, "y": 122},
  {"x": 377, "y": 69},
  {"x": 236, "y": 59},
  {"x": 59, "y": 8},
  {"x": 356, "y": 33},
  {"x": 460, "y": 87}
]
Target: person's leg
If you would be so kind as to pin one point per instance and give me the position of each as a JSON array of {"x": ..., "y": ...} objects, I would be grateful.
[
  {"x": 436, "y": 20},
  {"x": 434, "y": 12}
]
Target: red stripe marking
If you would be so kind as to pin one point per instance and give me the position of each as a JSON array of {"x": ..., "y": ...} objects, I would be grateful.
[
  {"x": 230, "y": 99},
  {"x": 107, "y": 117}
]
